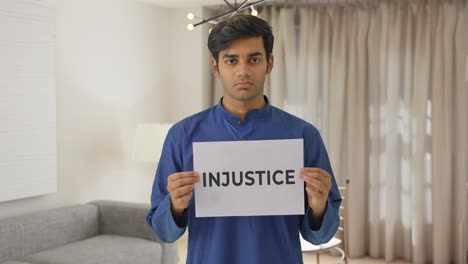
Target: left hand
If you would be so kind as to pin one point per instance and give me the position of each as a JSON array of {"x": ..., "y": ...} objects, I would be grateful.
[{"x": 318, "y": 184}]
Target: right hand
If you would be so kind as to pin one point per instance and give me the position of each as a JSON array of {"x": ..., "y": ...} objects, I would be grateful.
[{"x": 180, "y": 186}]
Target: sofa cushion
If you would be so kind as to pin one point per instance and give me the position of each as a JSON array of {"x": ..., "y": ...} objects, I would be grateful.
[
  {"x": 124, "y": 219},
  {"x": 101, "y": 250},
  {"x": 27, "y": 234}
]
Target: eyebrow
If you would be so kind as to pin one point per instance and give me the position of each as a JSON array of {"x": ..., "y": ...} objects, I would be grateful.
[{"x": 253, "y": 54}]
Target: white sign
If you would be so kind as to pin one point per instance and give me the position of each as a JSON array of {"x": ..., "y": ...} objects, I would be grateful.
[{"x": 247, "y": 178}]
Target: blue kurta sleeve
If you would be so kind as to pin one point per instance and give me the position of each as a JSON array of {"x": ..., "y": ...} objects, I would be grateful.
[
  {"x": 159, "y": 216},
  {"x": 316, "y": 156}
]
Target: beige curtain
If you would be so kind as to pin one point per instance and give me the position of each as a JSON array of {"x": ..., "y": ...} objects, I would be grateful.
[{"x": 383, "y": 82}]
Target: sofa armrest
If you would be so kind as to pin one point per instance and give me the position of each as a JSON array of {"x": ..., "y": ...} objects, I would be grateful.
[{"x": 129, "y": 219}]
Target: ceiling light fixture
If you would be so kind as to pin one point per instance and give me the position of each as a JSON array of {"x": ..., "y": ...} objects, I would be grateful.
[{"x": 235, "y": 10}]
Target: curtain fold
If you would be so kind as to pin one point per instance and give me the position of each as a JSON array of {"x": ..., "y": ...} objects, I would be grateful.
[
  {"x": 421, "y": 175},
  {"x": 357, "y": 121},
  {"x": 460, "y": 138},
  {"x": 445, "y": 88}
]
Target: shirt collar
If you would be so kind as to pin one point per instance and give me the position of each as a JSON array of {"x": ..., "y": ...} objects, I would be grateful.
[{"x": 262, "y": 113}]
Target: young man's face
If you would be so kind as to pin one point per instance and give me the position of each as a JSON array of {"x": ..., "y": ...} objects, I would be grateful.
[{"x": 242, "y": 68}]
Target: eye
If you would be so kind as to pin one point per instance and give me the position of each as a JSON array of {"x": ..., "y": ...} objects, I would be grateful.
[
  {"x": 254, "y": 60},
  {"x": 231, "y": 61}
]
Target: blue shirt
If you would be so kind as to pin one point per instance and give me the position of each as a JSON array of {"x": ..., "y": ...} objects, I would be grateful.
[{"x": 248, "y": 239}]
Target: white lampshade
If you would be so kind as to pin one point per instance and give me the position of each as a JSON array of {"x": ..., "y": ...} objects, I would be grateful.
[{"x": 149, "y": 140}]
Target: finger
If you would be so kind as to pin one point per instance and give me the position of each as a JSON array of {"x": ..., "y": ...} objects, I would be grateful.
[
  {"x": 180, "y": 175},
  {"x": 182, "y": 191},
  {"x": 172, "y": 185},
  {"x": 182, "y": 202},
  {"x": 184, "y": 199},
  {"x": 311, "y": 169},
  {"x": 313, "y": 192},
  {"x": 326, "y": 179},
  {"x": 318, "y": 171},
  {"x": 316, "y": 184},
  {"x": 316, "y": 176}
]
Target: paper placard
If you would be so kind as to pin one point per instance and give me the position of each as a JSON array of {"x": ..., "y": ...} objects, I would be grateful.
[{"x": 249, "y": 178}]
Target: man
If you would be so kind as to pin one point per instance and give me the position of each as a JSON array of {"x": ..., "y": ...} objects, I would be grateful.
[{"x": 241, "y": 47}]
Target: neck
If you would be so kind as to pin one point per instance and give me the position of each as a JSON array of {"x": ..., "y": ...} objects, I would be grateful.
[{"x": 240, "y": 108}]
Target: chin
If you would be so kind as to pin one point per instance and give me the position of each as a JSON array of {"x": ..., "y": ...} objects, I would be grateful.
[{"x": 247, "y": 98}]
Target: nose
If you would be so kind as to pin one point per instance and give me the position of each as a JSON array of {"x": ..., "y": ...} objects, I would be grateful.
[{"x": 243, "y": 69}]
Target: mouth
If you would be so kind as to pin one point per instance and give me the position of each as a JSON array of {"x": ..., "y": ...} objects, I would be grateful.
[{"x": 243, "y": 85}]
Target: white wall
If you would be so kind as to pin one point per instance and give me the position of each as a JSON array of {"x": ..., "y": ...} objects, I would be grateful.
[
  {"x": 112, "y": 73},
  {"x": 190, "y": 75}
]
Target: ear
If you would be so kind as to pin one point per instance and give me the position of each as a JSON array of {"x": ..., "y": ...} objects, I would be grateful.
[
  {"x": 214, "y": 67},
  {"x": 270, "y": 64}
]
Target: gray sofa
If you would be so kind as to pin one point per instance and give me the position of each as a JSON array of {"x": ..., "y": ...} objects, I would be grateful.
[{"x": 97, "y": 232}]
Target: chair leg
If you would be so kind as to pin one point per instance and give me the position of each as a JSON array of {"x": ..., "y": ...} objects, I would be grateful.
[
  {"x": 343, "y": 255},
  {"x": 318, "y": 257}
]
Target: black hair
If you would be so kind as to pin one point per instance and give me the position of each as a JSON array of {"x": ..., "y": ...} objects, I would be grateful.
[{"x": 236, "y": 27}]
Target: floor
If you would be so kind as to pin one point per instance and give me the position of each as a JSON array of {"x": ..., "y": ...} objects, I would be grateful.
[{"x": 309, "y": 258}]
